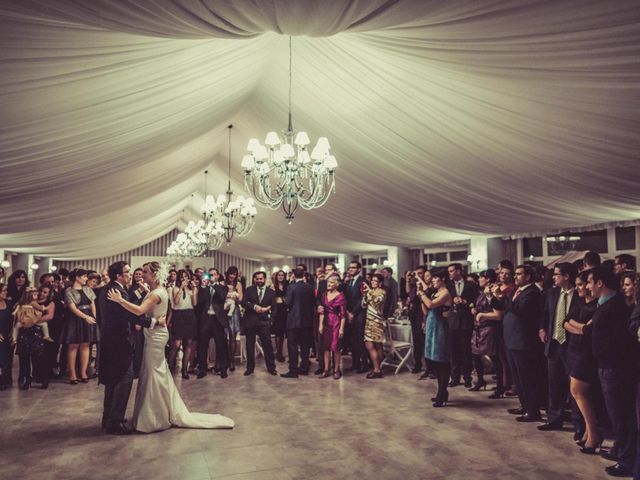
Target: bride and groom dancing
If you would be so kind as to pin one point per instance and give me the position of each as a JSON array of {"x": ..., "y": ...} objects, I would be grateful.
[{"x": 158, "y": 405}]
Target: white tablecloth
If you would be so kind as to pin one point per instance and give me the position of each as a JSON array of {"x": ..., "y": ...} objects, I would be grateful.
[{"x": 401, "y": 332}]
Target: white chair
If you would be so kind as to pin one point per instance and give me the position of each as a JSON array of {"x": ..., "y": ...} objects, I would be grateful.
[{"x": 398, "y": 352}]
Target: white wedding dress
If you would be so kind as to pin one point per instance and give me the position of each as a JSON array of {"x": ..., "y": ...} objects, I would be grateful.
[{"x": 158, "y": 403}]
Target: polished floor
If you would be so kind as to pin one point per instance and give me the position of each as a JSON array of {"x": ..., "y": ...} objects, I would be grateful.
[{"x": 307, "y": 428}]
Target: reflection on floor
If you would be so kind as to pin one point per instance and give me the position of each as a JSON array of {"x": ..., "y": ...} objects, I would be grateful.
[{"x": 308, "y": 428}]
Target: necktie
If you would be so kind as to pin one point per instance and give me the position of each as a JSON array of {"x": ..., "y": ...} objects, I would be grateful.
[
  {"x": 459, "y": 288},
  {"x": 515, "y": 295},
  {"x": 559, "y": 333},
  {"x": 260, "y": 293}
]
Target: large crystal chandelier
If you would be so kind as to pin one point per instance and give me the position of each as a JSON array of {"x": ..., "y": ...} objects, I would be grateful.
[
  {"x": 234, "y": 216},
  {"x": 283, "y": 173},
  {"x": 197, "y": 238}
]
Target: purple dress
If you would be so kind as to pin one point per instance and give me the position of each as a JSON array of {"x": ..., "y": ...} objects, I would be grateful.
[{"x": 334, "y": 312}]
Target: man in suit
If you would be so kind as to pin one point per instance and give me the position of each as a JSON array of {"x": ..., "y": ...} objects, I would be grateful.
[
  {"x": 615, "y": 352},
  {"x": 558, "y": 302},
  {"x": 214, "y": 322},
  {"x": 523, "y": 309},
  {"x": 392, "y": 285},
  {"x": 300, "y": 302},
  {"x": 258, "y": 303},
  {"x": 356, "y": 318},
  {"x": 464, "y": 294},
  {"x": 116, "y": 349},
  {"x": 320, "y": 287}
]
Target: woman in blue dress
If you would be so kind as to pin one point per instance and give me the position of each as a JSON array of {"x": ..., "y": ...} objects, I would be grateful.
[{"x": 437, "y": 346}]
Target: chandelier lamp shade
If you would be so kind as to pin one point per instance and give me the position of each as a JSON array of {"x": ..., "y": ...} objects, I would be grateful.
[
  {"x": 236, "y": 215},
  {"x": 285, "y": 173}
]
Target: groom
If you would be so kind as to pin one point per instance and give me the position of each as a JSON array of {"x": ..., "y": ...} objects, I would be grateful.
[{"x": 116, "y": 351}]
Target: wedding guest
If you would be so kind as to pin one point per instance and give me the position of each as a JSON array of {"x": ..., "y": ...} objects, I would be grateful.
[
  {"x": 232, "y": 306},
  {"x": 356, "y": 317},
  {"x": 137, "y": 292},
  {"x": 279, "y": 314},
  {"x": 416, "y": 315},
  {"x": 473, "y": 278},
  {"x": 183, "y": 320},
  {"x": 624, "y": 263},
  {"x": 17, "y": 283},
  {"x": 437, "y": 335},
  {"x": 486, "y": 335},
  {"x": 301, "y": 304},
  {"x": 522, "y": 311},
  {"x": 6, "y": 325},
  {"x": 374, "y": 299},
  {"x": 613, "y": 349},
  {"x": 505, "y": 287},
  {"x": 558, "y": 302},
  {"x": 51, "y": 320},
  {"x": 28, "y": 338},
  {"x": 424, "y": 283},
  {"x": 171, "y": 279},
  {"x": 198, "y": 310},
  {"x": 3, "y": 275},
  {"x": 258, "y": 302},
  {"x": 634, "y": 332},
  {"x": 583, "y": 369},
  {"x": 331, "y": 326},
  {"x": 80, "y": 328},
  {"x": 590, "y": 260},
  {"x": 392, "y": 287},
  {"x": 213, "y": 325},
  {"x": 629, "y": 282},
  {"x": 319, "y": 288},
  {"x": 463, "y": 294}
]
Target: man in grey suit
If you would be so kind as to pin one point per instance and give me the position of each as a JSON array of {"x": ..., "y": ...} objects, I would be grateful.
[{"x": 300, "y": 301}]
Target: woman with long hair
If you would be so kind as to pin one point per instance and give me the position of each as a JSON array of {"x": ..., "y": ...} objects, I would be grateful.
[
  {"x": 232, "y": 307},
  {"x": 158, "y": 404},
  {"x": 583, "y": 374},
  {"x": 279, "y": 314},
  {"x": 16, "y": 284},
  {"x": 80, "y": 328},
  {"x": 437, "y": 347},
  {"x": 373, "y": 300},
  {"x": 183, "y": 320}
]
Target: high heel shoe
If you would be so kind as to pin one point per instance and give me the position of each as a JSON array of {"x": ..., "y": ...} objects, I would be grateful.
[
  {"x": 325, "y": 374},
  {"x": 595, "y": 450},
  {"x": 481, "y": 385},
  {"x": 337, "y": 375}
]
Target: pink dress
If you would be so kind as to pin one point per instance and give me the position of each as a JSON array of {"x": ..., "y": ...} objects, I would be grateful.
[{"x": 334, "y": 312}]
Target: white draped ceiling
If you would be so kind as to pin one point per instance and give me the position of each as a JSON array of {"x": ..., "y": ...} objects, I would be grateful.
[{"x": 448, "y": 118}]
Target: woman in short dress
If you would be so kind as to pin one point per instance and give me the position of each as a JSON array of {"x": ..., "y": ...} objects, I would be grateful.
[
  {"x": 279, "y": 314},
  {"x": 437, "y": 346},
  {"x": 373, "y": 300},
  {"x": 582, "y": 364},
  {"x": 234, "y": 297},
  {"x": 80, "y": 328},
  {"x": 331, "y": 326},
  {"x": 183, "y": 320}
]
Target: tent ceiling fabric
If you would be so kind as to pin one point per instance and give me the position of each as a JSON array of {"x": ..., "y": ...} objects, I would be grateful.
[{"x": 448, "y": 118}]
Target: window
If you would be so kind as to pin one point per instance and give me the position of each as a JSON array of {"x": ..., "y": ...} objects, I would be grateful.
[
  {"x": 625, "y": 238},
  {"x": 435, "y": 257},
  {"x": 532, "y": 246},
  {"x": 459, "y": 256},
  {"x": 570, "y": 242}
]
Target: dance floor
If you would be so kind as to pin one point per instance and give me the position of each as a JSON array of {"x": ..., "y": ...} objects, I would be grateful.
[{"x": 307, "y": 428}]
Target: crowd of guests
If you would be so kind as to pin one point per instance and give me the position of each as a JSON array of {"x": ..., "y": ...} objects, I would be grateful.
[{"x": 560, "y": 339}]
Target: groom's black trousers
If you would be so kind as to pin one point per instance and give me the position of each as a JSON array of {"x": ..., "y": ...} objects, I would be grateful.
[
  {"x": 211, "y": 328},
  {"x": 116, "y": 397}
]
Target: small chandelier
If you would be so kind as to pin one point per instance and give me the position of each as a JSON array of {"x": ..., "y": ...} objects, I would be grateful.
[
  {"x": 279, "y": 174},
  {"x": 197, "y": 238},
  {"x": 235, "y": 217}
]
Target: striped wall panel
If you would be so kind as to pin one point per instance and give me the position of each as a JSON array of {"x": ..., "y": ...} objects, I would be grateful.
[{"x": 158, "y": 248}]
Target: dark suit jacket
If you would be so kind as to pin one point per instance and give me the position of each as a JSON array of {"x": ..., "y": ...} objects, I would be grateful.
[
  {"x": 250, "y": 300},
  {"x": 521, "y": 318},
  {"x": 613, "y": 347},
  {"x": 548, "y": 318},
  {"x": 116, "y": 351},
  {"x": 321, "y": 288},
  {"x": 301, "y": 304},
  {"x": 216, "y": 301},
  {"x": 354, "y": 296},
  {"x": 460, "y": 317}
]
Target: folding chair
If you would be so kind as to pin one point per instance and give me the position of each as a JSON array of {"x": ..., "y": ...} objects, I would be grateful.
[{"x": 398, "y": 352}]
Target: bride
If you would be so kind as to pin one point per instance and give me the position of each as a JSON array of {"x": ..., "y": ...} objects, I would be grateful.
[{"x": 158, "y": 403}]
